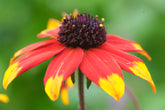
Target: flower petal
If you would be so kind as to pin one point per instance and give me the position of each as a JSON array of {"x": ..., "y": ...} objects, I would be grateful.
[
  {"x": 52, "y": 29},
  {"x": 126, "y": 45},
  {"x": 64, "y": 91},
  {"x": 130, "y": 63},
  {"x": 102, "y": 69},
  {"x": 30, "y": 60},
  {"x": 60, "y": 68},
  {"x": 69, "y": 82},
  {"x": 64, "y": 95},
  {"x": 32, "y": 47},
  {"x": 4, "y": 98},
  {"x": 49, "y": 33},
  {"x": 53, "y": 23}
]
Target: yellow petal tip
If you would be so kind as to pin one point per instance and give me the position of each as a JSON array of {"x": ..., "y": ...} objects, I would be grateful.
[
  {"x": 10, "y": 74},
  {"x": 69, "y": 82},
  {"x": 153, "y": 86},
  {"x": 140, "y": 70},
  {"x": 4, "y": 98},
  {"x": 65, "y": 96},
  {"x": 113, "y": 85},
  {"x": 17, "y": 53},
  {"x": 141, "y": 51},
  {"x": 53, "y": 23},
  {"x": 144, "y": 53},
  {"x": 5, "y": 86},
  {"x": 11, "y": 60},
  {"x": 53, "y": 86}
]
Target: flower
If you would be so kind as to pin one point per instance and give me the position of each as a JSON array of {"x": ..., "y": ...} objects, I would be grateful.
[
  {"x": 80, "y": 41},
  {"x": 4, "y": 98}
]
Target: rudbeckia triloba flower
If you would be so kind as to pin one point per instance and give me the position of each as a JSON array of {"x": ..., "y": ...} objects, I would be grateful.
[
  {"x": 81, "y": 42},
  {"x": 4, "y": 98}
]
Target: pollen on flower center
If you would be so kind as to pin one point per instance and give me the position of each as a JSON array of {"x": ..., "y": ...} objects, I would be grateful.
[{"x": 82, "y": 31}]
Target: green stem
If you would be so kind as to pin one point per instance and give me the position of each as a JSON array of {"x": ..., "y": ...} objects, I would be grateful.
[
  {"x": 132, "y": 96},
  {"x": 81, "y": 90}
]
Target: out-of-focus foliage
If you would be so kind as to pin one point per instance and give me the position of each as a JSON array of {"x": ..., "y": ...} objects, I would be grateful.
[{"x": 139, "y": 20}]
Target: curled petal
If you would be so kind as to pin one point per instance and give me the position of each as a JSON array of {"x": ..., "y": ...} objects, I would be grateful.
[
  {"x": 4, "y": 98},
  {"x": 103, "y": 70},
  {"x": 126, "y": 45},
  {"x": 60, "y": 68},
  {"x": 30, "y": 60},
  {"x": 130, "y": 63}
]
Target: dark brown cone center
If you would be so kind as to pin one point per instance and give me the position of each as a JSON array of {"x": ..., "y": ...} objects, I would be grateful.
[{"x": 82, "y": 31}]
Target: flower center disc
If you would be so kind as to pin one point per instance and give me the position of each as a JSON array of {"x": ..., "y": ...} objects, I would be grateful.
[{"x": 82, "y": 31}]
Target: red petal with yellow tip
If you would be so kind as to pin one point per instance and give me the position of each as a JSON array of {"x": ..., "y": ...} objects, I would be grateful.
[
  {"x": 60, "y": 68},
  {"x": 102, "y": 69},
  {"x": 49, "y": 33},
  {"x": 130, "y": 63},
  {"x": 30, "y": 60},
  {"x": 32, "y": 47},
  {"x": 126, "y": 45}
]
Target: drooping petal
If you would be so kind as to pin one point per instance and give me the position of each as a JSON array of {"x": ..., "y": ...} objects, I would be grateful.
[
  {"x": 126, "y": 45},
  {"x": 30, "y": 60},
  {"x": 130, "y": 63},
  {"x": 60, "y": 68},
  {"x": 4, "y": 98},
  {"x": 64, "y": 91},
  {"x": 64, "y": 95},
  {"x": 102, "y": 69},
  {"x": 32, "y": 47}
]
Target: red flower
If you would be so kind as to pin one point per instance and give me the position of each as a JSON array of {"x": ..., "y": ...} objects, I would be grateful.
[{"x": 80, "y": 41}]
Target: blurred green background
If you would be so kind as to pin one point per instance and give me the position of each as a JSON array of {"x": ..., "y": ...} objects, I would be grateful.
[{"x": 139, "y": 20}]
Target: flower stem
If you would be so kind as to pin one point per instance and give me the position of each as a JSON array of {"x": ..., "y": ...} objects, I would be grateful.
[
  {"x": 132, "y": 96},
  {"x": 81, "y": 90}
]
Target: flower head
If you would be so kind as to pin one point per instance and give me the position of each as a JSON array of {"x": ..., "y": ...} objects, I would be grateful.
[{"x": 80, "y": 41}]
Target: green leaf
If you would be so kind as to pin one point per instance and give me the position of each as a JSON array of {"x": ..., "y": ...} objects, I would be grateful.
[
  {"x": 88, "y": 82},
  {"x": 73, "y": 77}
]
